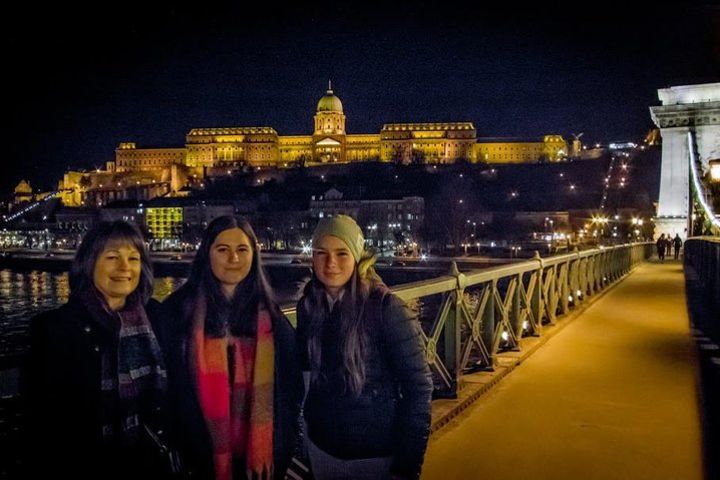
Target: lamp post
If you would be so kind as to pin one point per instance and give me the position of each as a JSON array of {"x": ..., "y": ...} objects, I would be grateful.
[{"x": 714, "y": 170}]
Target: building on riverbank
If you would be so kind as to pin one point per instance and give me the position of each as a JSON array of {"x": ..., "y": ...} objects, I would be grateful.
[{"x": 145, "y": 173}]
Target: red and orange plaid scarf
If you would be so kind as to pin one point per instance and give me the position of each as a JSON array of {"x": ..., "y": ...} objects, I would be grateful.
[{"x": 238, "y": 411}]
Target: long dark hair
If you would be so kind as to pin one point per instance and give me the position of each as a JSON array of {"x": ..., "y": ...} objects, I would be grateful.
[
  {"x": 353, "y": 322},
  {"x": 239, "y": 312},
  {"x": 93, "y": 244}
]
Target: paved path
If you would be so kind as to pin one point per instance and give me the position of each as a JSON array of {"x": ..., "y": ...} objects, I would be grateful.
[{"x": 612, "y": 396}]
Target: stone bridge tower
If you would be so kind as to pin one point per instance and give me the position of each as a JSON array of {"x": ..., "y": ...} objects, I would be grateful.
[{"x": 688, "y": 108}]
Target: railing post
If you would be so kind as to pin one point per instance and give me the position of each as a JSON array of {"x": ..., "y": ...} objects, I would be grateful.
[
  {"x": 453, "y": 329},
  {"x": 536, "y": 304},
  {"x": 578, "y": 278},
  {"x": 516, "y": 307},
  {"x": 564, "y": 290},
  {"x": 592, "y": 274},
  {"x": 551, "y": 299},
  {"x": 488, "y": 321}
]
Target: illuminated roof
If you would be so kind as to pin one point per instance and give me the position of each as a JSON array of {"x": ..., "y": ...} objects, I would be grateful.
[
  {"x": 428, "y": 126},
  {"x": 509, "y": 140},
  {"x": 232, "y": 131},
  {"x": 23, "y": 187}
]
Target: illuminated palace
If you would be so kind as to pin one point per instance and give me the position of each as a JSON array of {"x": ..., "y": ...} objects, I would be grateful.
[{"x": 147, "y": 172}]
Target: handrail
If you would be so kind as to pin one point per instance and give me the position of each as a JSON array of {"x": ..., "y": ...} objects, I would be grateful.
[
  {"x": 483, "y": 312},
  {"x": 703, "y": 254}
]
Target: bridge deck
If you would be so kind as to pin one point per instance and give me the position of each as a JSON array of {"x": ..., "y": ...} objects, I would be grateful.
[{"x": 612, "y": 396}]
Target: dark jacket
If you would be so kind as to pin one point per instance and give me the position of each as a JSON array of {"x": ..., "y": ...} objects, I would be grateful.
[
  {"x": 61, "y": 387},
  {"x": 189, "y": 429},
  {"x": 391, "y": 416}
]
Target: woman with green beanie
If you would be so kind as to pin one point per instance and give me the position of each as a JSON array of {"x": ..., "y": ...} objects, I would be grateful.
[{"x": 367, "y": 409}]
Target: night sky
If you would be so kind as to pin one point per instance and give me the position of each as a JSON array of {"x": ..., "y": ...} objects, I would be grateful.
[{"x": 82, "y": 79}]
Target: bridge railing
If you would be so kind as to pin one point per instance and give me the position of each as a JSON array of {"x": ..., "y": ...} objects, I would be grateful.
[
  {"x": 481, "y": 313},
  {"x": 703, "y": 253}
]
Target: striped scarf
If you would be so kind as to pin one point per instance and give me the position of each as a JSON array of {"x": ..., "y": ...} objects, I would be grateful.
[
  {"x": 234, "y": 379},
  {"x": 133, "y": 375}
]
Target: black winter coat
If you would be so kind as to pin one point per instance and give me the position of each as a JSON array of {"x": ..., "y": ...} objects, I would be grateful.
[
  {"x": 61, "y": 388},
  {"x": 391, "y": 416},
  {"x": 188, "y": 427}
]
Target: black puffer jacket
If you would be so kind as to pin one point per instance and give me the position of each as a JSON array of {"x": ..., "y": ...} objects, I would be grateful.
[
  {"x": 188, "y": 427},
  {"x": 391, "y": 417},
  {"x": 61, "y": 389}
]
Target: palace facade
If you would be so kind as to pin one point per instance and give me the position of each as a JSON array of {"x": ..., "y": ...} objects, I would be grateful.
[
  {"x": 140, "y": 172},
  {"x": 330, "y": 143}
]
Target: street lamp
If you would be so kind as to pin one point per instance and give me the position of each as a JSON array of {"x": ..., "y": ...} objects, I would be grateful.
[{"x": 715, "y": 170}]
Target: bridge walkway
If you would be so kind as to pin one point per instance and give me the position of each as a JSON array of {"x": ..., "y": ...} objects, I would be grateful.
[{"x": 612, "y": 396}]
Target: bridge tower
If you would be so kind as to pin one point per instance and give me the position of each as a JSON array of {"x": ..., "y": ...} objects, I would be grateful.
[{"x": 687, "y": 108}]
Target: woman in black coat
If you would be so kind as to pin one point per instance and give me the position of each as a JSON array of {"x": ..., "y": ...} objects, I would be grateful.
[
  {"x": 367, "y": 409},
  {"x": 234, "y": 382},
  {"x": 95, "y": 377}
]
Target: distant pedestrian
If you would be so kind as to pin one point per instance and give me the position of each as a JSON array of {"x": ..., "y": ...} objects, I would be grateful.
[
  {"x": 661, "y": 245},
  {"x": 677, "y": 244}
]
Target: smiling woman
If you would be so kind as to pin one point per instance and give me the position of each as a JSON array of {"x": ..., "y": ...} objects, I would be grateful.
[
  {"x": 231, "y": 256},
  {"x": 95, "y": 378},
  {"x": 232, "y": 368},
  {"x": 117, "y": 273},
  {"x": 367, "y": 380}
]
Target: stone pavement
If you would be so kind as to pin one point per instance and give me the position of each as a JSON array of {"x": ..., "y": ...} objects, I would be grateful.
[{"x": 610, "y": 393}]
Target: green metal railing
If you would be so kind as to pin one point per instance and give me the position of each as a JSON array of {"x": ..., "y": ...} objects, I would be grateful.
[
  {"x": 703, "y": 253},
  {"x": 484, "y": 312}
]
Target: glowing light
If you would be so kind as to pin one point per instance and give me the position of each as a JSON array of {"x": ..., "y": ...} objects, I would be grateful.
[
  {"x": 708, "y": 210},
  {"x": 505, "y": 336},
  {"x": 715, "y": 170}
]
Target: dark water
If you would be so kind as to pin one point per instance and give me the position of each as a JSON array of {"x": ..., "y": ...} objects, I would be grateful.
[{"x": 24, "y": 294}]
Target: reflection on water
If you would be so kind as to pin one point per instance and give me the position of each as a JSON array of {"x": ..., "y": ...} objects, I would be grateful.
[
  {"x": 164, "y": 286},
  {"x": 25, "y": 294}
]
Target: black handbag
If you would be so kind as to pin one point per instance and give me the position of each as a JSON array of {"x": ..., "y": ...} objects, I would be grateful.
[{"x": 165, "y": 457}]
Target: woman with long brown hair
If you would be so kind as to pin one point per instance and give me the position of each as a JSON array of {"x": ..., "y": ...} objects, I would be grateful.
[
  {"x": 234, "y": 382},
  {"x": 369, "y": 387}
]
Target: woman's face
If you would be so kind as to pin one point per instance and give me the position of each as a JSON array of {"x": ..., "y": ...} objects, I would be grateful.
[
  {"x": 117, "y": 272},
  {"x": 231, "y": 257},
  {"x": 333, "y": 263}
]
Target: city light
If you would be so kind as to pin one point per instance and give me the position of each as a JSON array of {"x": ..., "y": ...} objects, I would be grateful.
[{"x": 715, "y": 170}]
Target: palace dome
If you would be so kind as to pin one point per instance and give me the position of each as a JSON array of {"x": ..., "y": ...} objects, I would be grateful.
[{"x": 330, "y": 103}]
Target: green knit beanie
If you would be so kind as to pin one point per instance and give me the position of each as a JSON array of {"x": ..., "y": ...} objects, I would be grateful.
[{"x": 344, "y": 228}]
